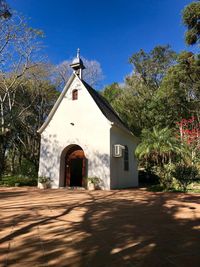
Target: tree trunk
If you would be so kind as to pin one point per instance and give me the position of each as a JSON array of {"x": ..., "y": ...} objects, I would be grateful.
[
  {"x": 13, "y": 161},
  {"x": 2, "y": 157}
]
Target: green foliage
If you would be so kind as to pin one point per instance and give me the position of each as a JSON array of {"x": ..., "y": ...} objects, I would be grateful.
[
  {"x": 136, "y": 103},
  {"x": 151, "y": 67},
  {"x": 24, "y": 101},
  {"x": 191, "y": 19},
  {"x": 164, "y": 173},
  {"x": 163, "y": 89},
  {"x": 176, "y": 177},
  {"x": 93, "y": 180},
  {"x": 18, "y": 181},
  {"x": 111, "y": 92},
  {"x": 34, "y": 98},
  {"x": 185, "y": 175},
  {"x": 44, "y": 180},
  {"x": 28, "y": 168},
  {"x": 157, "y": 146},
  {"x": 194, "y": 187},
  {"x": 179, "y": 93}
]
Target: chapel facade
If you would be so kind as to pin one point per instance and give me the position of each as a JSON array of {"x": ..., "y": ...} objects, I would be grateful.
[{"x": 84, "y": 137}]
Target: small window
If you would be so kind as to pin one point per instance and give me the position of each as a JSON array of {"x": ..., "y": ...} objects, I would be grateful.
[
  {"x": 126, "y": 159},
  {"x": 75, "y": 94}
]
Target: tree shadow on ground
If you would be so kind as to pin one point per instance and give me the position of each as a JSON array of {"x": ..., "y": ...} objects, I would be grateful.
[
  {"x": 105, "y": 229},
  {"x": 5, "y": 194}
]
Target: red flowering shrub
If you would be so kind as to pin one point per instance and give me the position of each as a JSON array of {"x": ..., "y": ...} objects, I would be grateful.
[{"x": 190, "y": 135}]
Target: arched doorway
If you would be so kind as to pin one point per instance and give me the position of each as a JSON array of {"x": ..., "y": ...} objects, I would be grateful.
[{"x": 75, "y": 167}]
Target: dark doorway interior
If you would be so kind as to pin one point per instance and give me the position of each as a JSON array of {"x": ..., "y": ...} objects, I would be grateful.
[
  {"x": 76, "y": 169},
  {"x": 75, "y": 162}
]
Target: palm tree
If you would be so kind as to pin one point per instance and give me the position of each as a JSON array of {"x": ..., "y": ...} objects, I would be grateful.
[{"x": 158, "y": 146}]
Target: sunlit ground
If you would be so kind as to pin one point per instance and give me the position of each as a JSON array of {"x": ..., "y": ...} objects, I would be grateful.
[{"x": 99, "y": 228}]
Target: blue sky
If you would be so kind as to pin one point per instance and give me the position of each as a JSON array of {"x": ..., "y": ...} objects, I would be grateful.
[{"x": 107, "y": 31}]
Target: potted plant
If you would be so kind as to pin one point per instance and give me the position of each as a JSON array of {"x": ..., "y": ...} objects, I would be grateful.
[
  {"x": 44, "y": 181},
  {"x": 93, "y": 183}
]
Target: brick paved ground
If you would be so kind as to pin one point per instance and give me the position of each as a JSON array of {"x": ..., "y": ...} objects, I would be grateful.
[{"x": 98, "y": 229}]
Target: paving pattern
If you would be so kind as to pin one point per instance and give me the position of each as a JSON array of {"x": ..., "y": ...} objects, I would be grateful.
[{"x": 127, "y": 228}]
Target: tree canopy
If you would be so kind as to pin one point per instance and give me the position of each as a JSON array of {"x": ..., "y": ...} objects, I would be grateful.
[{"x": 191, "y": 19}]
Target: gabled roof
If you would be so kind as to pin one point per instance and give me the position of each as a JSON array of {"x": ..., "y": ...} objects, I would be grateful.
[
  {"x": 106, "y": 108},
  {"x": 101, "y": 102}
]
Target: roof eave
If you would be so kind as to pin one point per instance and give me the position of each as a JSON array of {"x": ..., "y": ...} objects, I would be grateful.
[{"x": 125, "y": 130}]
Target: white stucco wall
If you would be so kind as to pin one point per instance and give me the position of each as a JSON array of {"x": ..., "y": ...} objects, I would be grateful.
[
  {"x": 119, "y": 177},
  {"x": 91, "y": 131}
]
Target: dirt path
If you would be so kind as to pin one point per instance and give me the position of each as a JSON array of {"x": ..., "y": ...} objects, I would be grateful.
[{"x": 98, "y": 228}]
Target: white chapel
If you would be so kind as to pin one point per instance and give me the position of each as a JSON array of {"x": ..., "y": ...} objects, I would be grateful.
[{"x": 84, "y": 137}]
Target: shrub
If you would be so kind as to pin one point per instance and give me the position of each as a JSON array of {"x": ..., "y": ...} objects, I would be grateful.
[
  {"x": 28, "y": 169},
  {"x": 185, "y": 175},
  {"x": 44, "y": 180},
  {"x": 18, "y": 181},
  {"x": 93, "y": 180},
  {"x": 165, "y": 175}
]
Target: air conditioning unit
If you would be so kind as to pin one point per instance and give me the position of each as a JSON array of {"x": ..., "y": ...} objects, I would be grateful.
[{"x": 118, "y": 151}]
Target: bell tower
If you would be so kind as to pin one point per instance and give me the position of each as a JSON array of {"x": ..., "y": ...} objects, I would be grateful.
[{"x": 77, "y": 64}]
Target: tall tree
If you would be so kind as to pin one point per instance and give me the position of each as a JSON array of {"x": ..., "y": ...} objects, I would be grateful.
[
  {"x": 191, "y": 19},
  {"x": 136, "y": 104},
  {"x": 112, "y": 92},
  {"x": 19, "y": 45},
  {"x": 180, "y": 89},
  {"x": 36, "y": 96},
  {"x": 151, "y": 67}
]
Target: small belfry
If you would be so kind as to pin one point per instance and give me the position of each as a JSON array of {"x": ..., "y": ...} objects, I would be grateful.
[{"x": 77, "y": 64}]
